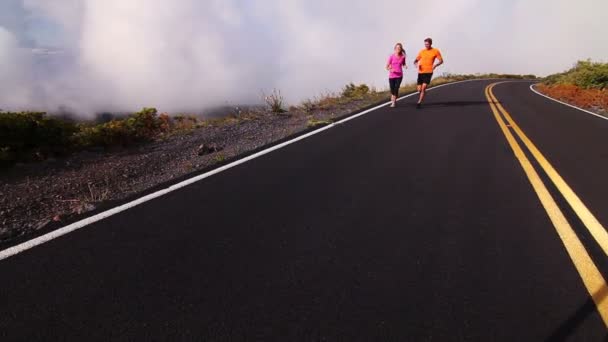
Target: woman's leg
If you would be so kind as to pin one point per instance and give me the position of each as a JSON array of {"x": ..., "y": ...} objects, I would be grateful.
[
  {"x": 393, "y": 96},
  {"x": 398, "y": 86}
]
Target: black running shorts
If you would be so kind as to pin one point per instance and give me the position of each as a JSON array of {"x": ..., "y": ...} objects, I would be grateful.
[{"x": 425, "y": 78}]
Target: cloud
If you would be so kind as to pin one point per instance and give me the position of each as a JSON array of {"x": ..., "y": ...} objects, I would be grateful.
[
  {"x": 14, "y": 74},
  {"x": 188, "y": 54}
]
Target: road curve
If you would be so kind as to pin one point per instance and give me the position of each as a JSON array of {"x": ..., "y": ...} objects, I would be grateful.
[{"x": 402, "y": 224}]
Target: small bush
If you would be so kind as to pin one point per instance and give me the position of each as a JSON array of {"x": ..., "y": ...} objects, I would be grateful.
[
  {"x": 113, "y": 133},
  {"x": 363, "y": 89},
  {"x": 33, "y": 135},
  {"x": 353, "y": 91},
  {"x": 275, "y": 101},
  {"x": 308, "y": 106},
  {"x": 185, "y": 123},
  {"x": 329, "y": 101},
  {"x": 141, "y": 126},
  {"x": 144, "y": 124},
  {"x": 165, "y": 122}
]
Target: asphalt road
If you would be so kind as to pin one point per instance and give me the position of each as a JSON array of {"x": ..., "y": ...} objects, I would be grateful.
[{"x": 400, "y": 225}]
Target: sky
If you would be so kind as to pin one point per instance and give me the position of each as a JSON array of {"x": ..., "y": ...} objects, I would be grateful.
[{"x": 88, "y": 56}]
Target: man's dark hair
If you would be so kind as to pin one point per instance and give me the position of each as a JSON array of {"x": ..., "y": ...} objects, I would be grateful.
[{"x": 429, "y": 40}]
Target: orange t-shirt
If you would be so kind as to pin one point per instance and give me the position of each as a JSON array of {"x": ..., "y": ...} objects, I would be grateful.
[{"x": 426, "y": 60}]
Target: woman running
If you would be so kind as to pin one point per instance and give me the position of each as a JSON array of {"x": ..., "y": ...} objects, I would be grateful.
[{"x": 395, "y": 65}]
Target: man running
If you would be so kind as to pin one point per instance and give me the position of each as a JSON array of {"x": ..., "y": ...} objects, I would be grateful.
[{"x": 426, "y": 65}]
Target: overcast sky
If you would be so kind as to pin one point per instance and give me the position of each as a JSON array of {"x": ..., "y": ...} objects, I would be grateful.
[{"x": 92, "y": 55}]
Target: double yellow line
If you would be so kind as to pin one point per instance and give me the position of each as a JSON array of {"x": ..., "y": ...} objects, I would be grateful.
[{"x": 591, "y": 276}]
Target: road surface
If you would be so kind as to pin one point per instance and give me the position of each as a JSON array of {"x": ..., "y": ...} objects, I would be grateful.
[{"x": 401, "y": 224}]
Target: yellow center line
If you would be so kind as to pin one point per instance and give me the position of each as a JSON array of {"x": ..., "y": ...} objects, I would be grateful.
[
  {"x": 596, "y": 229},
  {"x": 588, "y": 271}
]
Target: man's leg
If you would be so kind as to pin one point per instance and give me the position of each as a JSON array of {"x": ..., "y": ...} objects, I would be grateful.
[
  {"x": 425, "y": 80},
  {"x": 420, "y": 83},
  {"x": 422, "y": 92}
]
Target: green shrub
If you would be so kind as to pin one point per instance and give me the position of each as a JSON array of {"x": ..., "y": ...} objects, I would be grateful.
[
  {"x": 113, "y": 133},
  {"x": 144, "y": 124},
  {"x": 26, "y": 136},
  {"x": 585, "y": 74},
  {"x": 139, "y": 127},
  {"x": 29, "y": 135},
  {"x": 353, "y": 91}
]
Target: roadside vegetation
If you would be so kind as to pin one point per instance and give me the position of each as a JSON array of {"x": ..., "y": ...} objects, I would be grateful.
[
  {"x": 275, "y": 101},
  {"x": 36, "y": 136},
  {"x": 585, "y": 85}
]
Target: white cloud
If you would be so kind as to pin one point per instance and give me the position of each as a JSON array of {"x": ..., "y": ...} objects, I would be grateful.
[
  {"x": 14, "y": 71},
  {"x": 185, "y": 54}
]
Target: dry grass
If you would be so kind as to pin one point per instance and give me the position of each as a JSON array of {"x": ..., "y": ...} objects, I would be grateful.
[
  {"x": 92, "y": 195},
  {"x": 308, "y": 106},
  {"x": 184, "y": 123},
  {"x": 97, "y": 194},
  {"x": 275, "y": 101},
  {"x": 316, "y": 123}
]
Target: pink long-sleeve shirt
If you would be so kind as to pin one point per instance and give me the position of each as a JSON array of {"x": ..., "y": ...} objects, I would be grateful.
[{"x": 396, "y": 63}]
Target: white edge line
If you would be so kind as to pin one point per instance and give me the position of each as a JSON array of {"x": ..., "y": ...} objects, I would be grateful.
[
  {"x": 12, "y": 251},
  {"x": 567, "y": 104}
]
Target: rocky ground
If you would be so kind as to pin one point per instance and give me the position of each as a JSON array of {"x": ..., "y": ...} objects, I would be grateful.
[{"x": 34, "y": 196}]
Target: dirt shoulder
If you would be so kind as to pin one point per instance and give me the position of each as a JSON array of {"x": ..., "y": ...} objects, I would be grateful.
[{"x": 594, "y": 100}]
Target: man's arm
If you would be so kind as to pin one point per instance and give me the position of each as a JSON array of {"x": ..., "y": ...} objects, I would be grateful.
[
  {"x": 440, "y": 58},
  {"x": 438, "y": 64}
]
